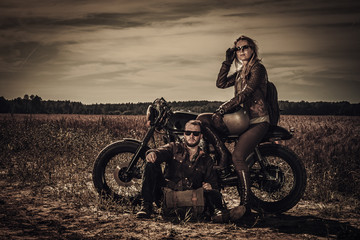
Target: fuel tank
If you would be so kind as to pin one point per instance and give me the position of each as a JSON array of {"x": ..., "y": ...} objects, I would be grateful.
[{"x": 237, "y": 122}]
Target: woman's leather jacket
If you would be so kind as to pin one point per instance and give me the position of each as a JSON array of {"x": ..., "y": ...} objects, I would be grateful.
[{"x": 249, "y": 90}]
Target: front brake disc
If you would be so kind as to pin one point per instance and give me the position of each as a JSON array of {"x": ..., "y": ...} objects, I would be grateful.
[{"x": 120, "y": 170}]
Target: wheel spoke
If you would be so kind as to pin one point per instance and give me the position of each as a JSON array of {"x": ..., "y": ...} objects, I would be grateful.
[{"x": 117, "y": 165}]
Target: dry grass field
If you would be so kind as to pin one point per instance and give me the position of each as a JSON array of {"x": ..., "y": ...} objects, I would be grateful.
[{"x": 47, "y": 192}]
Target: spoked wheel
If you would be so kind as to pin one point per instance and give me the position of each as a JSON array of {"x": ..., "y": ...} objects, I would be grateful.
[
  {"x": 110, "y": 176},
  {"x": 279, "y": 186},
  {"x": 230, "y": 196}
]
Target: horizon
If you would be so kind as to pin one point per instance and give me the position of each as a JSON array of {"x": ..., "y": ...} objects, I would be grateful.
[{"x": 175, "y": 101}]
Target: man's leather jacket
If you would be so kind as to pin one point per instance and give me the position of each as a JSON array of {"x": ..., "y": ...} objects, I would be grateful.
[
  {"x": 249, "y": 90},
  {"x": 183, "y": 173}
]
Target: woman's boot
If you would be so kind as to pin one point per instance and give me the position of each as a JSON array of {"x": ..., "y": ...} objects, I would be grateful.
[
  {"x": 245, "y": 184},
  {"x": 244, "y": 179}
]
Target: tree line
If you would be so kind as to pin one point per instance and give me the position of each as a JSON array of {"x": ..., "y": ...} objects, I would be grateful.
[{"x": 34, "y": 104}]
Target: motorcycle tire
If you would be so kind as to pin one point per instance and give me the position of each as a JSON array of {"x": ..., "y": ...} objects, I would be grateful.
[
  {"x": 287, "y": 182},
  {"x": 112, "y": 161}
]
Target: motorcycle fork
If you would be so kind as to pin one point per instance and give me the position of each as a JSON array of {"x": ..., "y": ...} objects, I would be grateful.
[
  {"x": 262, "y": 161},
  {"x": 149, "y": 134}
]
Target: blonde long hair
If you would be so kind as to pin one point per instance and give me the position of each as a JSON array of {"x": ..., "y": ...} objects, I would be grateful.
[{"x": 254, "y": 58}]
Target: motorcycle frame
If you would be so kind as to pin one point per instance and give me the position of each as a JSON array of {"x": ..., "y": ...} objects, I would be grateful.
[{"x": 172, "y": 134}]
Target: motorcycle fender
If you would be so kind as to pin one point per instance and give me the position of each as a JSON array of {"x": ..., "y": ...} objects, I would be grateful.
[
  {"x": 135, "y": 141},
  {"x": 132, "y": 140}
]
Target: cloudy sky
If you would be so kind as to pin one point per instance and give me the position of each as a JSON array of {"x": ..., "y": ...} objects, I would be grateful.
[{"x": 116, "y": 51}]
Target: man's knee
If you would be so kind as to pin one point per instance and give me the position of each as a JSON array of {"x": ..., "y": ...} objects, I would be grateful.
[
  {"x": 152, "y": 166},
  {"x": 152, "y": 169}
]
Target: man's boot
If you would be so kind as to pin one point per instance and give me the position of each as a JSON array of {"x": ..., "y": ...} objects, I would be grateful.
[
  {"x": 221, "y": 216},
  {"x": 145, "y": 211},
  {"x": 222, "y": 152}
]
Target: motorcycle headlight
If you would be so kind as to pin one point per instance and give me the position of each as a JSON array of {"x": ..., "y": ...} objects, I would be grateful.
[{"x": 151, "y": 115}]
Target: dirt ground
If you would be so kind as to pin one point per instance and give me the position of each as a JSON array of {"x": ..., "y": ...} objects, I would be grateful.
[{"x": 25, "y": 216}]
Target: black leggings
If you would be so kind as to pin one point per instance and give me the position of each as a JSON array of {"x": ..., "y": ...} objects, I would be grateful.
[{"x": 246, "y": 144}]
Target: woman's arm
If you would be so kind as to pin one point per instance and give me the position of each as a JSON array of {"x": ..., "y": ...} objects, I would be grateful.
[
  {"x": 257, "y": 74},
  {"x": 223, "y": 81}
]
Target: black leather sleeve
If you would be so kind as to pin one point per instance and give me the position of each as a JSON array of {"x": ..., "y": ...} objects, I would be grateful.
[
  {"x": 257, "y": 73},
  {"x": 223, "y": 80}
]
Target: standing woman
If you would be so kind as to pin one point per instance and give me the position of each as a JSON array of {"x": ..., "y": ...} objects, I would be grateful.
[{"x": 250, "y": 83}]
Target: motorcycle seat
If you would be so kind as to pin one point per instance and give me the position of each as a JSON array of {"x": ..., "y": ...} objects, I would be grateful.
[{"x": 274, "y": 133}]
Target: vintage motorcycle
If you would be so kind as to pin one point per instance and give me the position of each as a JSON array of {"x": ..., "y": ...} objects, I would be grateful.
[{"x": 278, "y": 176}]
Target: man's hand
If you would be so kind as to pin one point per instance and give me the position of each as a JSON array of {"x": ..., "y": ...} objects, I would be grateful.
[
  {"x": 207, "y": 186},
  {"x": 151, "y": 157}
]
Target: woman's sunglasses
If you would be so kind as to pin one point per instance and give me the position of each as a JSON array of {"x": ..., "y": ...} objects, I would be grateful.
[
  {"x": 242, "y": 48},
  {"x": 195, "y": 133}
]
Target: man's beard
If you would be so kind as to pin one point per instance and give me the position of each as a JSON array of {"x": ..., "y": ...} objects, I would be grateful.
[{"x": 192, "y": 144}]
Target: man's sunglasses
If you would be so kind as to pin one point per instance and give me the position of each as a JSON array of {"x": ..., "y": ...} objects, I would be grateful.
[
  {"x": 242, "y": 48},
  {"x": 195, "y": 133}
]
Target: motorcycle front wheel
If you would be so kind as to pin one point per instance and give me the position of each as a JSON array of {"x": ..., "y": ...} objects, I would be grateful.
[
  {"x": 109, "y": 173},
  {"x": 282, "y": 183}
]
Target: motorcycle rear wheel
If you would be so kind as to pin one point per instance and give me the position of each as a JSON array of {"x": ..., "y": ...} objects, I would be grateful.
[
  {"x": 287, "y": 182},
  {"x": 109, "y": 165}
]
